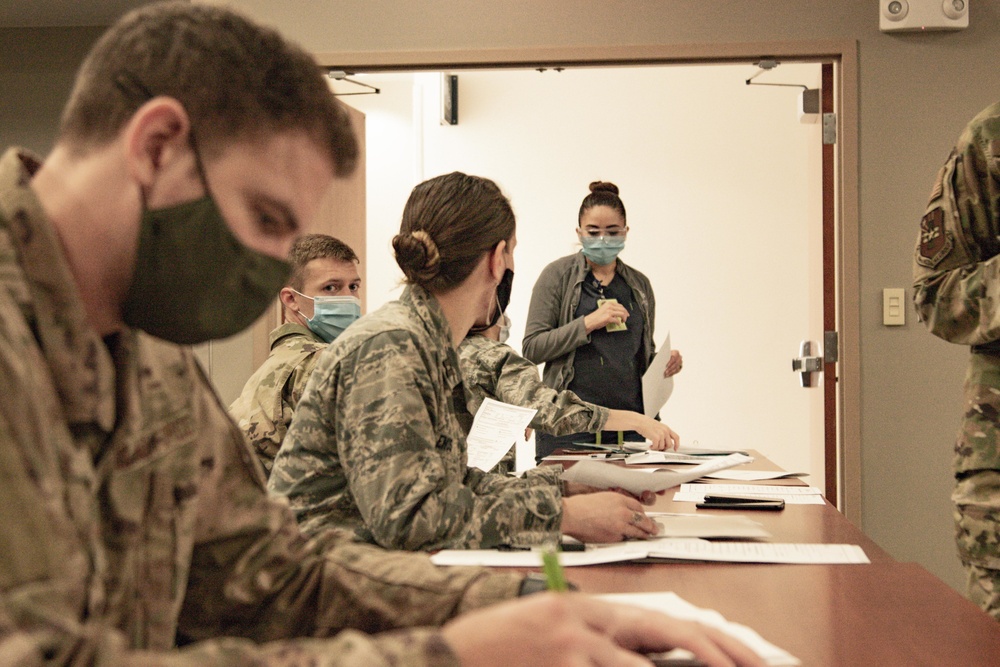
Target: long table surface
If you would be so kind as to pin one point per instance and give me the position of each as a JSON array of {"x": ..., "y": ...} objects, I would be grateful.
[{"x": 885, "y": 613}]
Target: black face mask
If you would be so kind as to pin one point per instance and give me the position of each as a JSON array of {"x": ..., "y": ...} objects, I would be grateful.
[{"x": 503, "y": 299}]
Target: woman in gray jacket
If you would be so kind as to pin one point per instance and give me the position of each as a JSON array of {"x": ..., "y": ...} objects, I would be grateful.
[{"x": 591, "y": 320}]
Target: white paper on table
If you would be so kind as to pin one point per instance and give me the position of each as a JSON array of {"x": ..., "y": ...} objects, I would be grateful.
[
  {"x": 533, "y": 558},
  {"x": 608, "y": 476},
  {"x": 759, "y": 552},
  {"x": 755, "y": 475},
  {"x": 750, "y": 489},
  {"x": 672, "y": 604},
  {"x": 732, "y": 526},
  {"x": 656, "y": 389},
  {"x": 681, "y": 455},
  {"x": 495, "y": 429}
]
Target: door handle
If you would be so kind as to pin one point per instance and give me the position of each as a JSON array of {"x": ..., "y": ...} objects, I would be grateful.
[{"x": 807, "y": 362}]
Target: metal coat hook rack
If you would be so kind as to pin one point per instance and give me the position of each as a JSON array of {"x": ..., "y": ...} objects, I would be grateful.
[{"x": 341, "y": 75}]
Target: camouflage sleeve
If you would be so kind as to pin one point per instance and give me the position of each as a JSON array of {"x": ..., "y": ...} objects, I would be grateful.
[
  {"x": 490, "y": 368},
  {"x": 559, "y": 412},
  {"x": 956, "y": 265},
  {"x": 403, "y": 452},
  {"x": 252, "y": 576}
]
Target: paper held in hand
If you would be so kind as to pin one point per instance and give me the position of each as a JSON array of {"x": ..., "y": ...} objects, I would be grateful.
[
  {"x": 496, "y": 428},
  {"x": 656, "y": 389},
  {"x": 608, "y": 475}
]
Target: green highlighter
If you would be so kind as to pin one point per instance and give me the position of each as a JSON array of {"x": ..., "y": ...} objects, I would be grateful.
[{"x": 554, "y": 577}]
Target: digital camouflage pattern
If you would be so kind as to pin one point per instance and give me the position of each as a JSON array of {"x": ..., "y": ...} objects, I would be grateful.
[
  {"x": 133, "y": 515},
  {"x": 376, "y": 445},
  {"x": 491, "y": 369},
  {"x": 957, "y": 295},
  {"x": 265, "y": 407}
]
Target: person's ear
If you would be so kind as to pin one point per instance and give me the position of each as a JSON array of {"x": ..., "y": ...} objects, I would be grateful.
[
  {"x": 287, "y": 297},
  {"x": 497, "y": 263},
  {"x": 157, "y": 138}
]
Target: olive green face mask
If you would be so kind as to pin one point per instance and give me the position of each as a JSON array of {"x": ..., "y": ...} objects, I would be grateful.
[{"x": 194, "y": 280}]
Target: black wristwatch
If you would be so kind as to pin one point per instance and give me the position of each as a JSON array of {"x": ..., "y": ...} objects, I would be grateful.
[{"x": 535, "y": 582}]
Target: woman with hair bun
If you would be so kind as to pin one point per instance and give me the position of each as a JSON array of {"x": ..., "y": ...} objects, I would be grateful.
[
  {"x": 591, "y": 321},
  {"x": 376, "y": 445}
]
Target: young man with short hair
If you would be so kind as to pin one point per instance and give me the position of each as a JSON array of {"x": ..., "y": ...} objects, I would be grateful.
[{"x": 319, "y": 301}]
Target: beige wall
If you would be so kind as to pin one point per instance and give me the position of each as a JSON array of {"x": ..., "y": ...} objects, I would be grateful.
[{"x": 916, "y": 92}]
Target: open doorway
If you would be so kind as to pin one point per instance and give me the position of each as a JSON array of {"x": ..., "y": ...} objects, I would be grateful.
[{"x": 723, "y": 187}]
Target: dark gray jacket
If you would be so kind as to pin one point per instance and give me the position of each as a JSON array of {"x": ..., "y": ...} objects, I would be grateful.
[{"x": 552, "y": 333}]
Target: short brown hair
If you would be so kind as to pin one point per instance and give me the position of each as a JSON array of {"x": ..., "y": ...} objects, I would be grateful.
[
  {"x": 316, "y": 246},
  {"x": 449, "y": 222},
  {"x": 235, "y": 79}
]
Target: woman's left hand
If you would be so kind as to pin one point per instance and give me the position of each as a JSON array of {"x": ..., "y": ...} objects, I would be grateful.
[{"x": 674, "y": 365}]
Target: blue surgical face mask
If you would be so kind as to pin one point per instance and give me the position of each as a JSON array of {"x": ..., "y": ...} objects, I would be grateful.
[
  {"x": 504, "y": 329},
  {"x": 332, "y": 314},
  {"x": 602, "y": 250}
]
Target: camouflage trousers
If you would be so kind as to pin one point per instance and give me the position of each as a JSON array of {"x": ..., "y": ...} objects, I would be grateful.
[{"x": 977, "y": 488}]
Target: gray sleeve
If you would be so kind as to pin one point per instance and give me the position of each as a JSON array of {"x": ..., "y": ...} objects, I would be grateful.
[{"x": 545, "y": 337}]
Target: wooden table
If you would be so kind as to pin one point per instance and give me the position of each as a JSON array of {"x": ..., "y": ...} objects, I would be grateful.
[{"x": 887, "y": 613}]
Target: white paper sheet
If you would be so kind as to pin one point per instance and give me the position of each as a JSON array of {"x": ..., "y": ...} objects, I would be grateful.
[
  {"x": 759, "y": 552},
  {"x": 495, "y": 429},
  {"x": 609, "y": 476},
  {"x": 792, "y": 495},
  {"x": 682, "y": 455},
  {"x": 673, "y": 605},
  {"x": 656, "y": 389},
  {"x": 754, "y": 475},
  {"x": 533, "y": 558},
  {"x": 733, "y": 526}
]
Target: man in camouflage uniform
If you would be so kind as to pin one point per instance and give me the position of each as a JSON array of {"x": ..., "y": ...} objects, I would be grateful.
[
  {"x": 321, "y": 266},
  {"x": 957, "y": 295},
  {"x": 132, "y": 514}
]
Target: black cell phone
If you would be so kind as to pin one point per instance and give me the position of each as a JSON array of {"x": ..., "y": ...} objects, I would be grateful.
[{"x": 741, "y": 503}]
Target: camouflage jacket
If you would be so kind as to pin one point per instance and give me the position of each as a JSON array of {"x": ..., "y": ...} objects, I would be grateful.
[
  {"x": 376, "y": 445},
  {"x": 956, "y": 269},
  {"x": 133, "y": 515},
  {"x": 265, "y": 408},
  {"x": 494, "y": 370},
  {"x": 956, "y": 276}
]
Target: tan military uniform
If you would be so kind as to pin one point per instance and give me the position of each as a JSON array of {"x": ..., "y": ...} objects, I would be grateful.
[
  {"x": 491, "y": 369},
  {"x": 132, "y": 513},
  {"x": 376, "y": 445},
  {"x": 957, "y": 294},
  {"x": 265, "y": 408}
]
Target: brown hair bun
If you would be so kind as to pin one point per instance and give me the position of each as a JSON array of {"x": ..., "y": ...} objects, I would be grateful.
[
  {"x": 417, "y": 255},
  {"x": 604, "y": 186}
]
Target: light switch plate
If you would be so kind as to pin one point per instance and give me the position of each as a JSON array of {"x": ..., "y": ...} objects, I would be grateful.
[{"x": 893, "y": 306}]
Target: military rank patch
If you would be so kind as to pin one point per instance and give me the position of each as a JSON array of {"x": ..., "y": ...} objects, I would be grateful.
[{"x": 935, "y": 240}]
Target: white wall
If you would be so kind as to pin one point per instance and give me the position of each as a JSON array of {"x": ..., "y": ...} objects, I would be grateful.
[{"x": 722, "y": 186}]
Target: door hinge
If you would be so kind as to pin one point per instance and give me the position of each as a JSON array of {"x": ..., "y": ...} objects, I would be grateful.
[
  {"x": 829, "y": 128},
  {"x": 831, "y": 347}
]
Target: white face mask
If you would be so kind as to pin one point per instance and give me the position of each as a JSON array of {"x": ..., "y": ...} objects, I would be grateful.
[{"x": 504, "y": 329}]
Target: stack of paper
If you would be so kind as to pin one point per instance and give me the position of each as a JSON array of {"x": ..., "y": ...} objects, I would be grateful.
[
  {"x": 792, "y": 495},
  {"x": 609, "y": 476},
  {"x": 758, "y": 552},
  {"x": 709, "y": 526}
]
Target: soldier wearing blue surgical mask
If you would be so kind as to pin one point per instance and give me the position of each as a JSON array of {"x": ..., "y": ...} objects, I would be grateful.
[{"x": 319, "y": 302}]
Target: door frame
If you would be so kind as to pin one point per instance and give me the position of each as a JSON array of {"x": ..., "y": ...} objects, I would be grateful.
[{"x": 843, "y": 54}]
